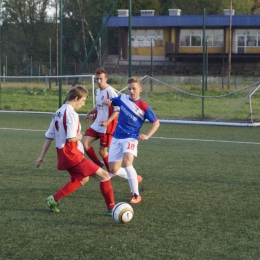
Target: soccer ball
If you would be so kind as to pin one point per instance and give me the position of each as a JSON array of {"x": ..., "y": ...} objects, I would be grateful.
[{"x": 122, "y": 212}]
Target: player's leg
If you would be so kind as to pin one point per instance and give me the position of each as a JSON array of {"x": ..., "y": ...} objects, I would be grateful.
[
  {"x": 90, "y": 151},
  {"x": 53, "y": 200},
  {"x": 106, "y": 189},
  {"x": 105, "y": 141},
  {"x": 130, "y": 152},
  {"x": 116, "y": 158},
  {"x": 131, "y": 172},
  {"x": 118, "y": 170},
  {"x": 104, "y": 155},
  {"x": 116, "y": 153}
]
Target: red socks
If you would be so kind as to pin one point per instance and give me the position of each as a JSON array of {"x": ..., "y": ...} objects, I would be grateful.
[
  {"x": 68, "y": 188},
  {"x": 108, "y": 193},
  {"x": 105, "y": 159},
  {"x": 92, "y": 155},
  {"x": 105, "y": 188}
]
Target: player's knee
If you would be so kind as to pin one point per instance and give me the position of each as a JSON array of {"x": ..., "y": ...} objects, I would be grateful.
[
  {"x": 85, "y": 142},
  {"x": 105, "y": 176},
  {"x": 113, "y": 170},
  {"x": 114, "y": 167},
  {"x": 103, "y": 152},
  {"x": 85, "y": 180},
  {"x": 102, "y": 174}
]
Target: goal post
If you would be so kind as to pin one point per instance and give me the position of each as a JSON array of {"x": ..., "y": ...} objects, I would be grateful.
[{"x": 173, "y": 105}]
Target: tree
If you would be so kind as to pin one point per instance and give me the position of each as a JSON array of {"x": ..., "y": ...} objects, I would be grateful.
[
  {"x": 255, "y": 9},
  {"x": 212, "y": 7},
  {"x": 141, "y": 5},
  {"x": 28, "y": 17},
  {"x": 25, "y": 11}
]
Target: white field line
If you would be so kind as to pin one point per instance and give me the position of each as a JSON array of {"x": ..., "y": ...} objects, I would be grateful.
[
  {"x": 205, "y": 140},
  {"x": 17, "y": 129},
  {"x": 162, "y": 138}
]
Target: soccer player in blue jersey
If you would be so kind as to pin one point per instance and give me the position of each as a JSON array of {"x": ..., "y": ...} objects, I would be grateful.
[{"x": 133, "y": 112}]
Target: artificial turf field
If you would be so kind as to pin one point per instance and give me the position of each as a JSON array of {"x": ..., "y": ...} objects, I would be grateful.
[{"x": 200, "y": 190}]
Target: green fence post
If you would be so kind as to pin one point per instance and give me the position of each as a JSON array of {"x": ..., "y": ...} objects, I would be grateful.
[{"x": 60, "y": 56}]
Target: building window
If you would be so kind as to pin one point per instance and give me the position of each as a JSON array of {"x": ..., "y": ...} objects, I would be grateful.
[
  {"x": 251, "y": 41},
  {"x": 143, "y": 38},
  {"x": 252, "y": 37},
  {"x": 194, "y": 38}
]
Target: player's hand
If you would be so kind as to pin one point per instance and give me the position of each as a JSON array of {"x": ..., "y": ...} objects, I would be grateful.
[
  {"x": 107, "y": 102},
  {"x": 104, "y": 123},
  {"x": 87, "y": 118},
  {"x": 38, "y": 162},
  {"x": 143, "y": 137}
]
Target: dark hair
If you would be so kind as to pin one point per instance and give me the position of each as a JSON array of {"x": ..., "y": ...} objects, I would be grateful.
[
  {"x": 134, "y": 80},
  {"x": 77, "y": 91},
  {"x": 101, "y": 70}
]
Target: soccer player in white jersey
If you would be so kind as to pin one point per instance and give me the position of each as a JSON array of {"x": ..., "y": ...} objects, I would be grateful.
[
  {"x": 105, "y": 121},
  {"x": 65, "y": 129},
  {"x": 133, "y": 112}
]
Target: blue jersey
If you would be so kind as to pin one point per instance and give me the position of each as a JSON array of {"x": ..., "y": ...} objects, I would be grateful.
[{"x": 132, "y": 115}]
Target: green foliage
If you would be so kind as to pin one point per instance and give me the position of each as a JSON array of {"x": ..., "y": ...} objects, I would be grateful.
[
  {"x": 200, "y": 194},
  {"x": 255, "y": 9},
  {"x": 212, "y": 7},
  {"x": 112, "y": 81},
  {"x": 30, "y": 39},
  {"x": 141, "y": 5}
]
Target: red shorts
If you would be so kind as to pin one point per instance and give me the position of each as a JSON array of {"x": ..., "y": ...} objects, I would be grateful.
[
  {"x": 104, "y": 139},
  {"x": 84, "y": 169}
]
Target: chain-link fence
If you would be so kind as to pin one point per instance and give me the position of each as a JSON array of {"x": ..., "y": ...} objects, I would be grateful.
[{"x": 32, "y": 49}]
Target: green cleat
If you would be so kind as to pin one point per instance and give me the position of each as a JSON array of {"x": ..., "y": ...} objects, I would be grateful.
[
  {"x": 109, "y": 213},
  {"x": 52, "y": 204}
]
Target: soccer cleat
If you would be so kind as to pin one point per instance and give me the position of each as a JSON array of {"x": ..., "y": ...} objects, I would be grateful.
[
  {"x": 101, "y": 164},
  {"x": 109, "y": 213},
  {"x": 139, "y": 178},
  {"x": 136, "y": 199},
  {"x": 52, "y": 204}
]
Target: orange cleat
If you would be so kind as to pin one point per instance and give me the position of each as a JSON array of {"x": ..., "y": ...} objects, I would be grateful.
[
  {"x": 139, "y": 178},
  {"x": 136, "y": 199}
]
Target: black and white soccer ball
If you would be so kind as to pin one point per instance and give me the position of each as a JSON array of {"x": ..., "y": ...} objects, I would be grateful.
[{"x": 122, "y": 213}]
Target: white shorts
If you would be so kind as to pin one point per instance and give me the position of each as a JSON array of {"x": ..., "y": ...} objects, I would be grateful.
[{"x": 120, "y": 146}]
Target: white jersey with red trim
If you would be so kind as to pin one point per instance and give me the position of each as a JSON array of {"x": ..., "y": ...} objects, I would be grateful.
[
  {"x": 65, "y": 124},
  {"x": 102, "y": 110}
]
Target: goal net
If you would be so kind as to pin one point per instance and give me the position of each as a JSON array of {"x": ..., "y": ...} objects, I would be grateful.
[{"x": 173, "y": 105}]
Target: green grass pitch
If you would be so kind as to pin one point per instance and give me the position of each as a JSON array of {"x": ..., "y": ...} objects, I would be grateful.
[{"x": 200, "y": 190}]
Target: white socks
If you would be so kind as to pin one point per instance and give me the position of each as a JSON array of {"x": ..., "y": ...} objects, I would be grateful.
[
  {"x": 121, "y": 173},
  {"x": 132, "y": 179}
]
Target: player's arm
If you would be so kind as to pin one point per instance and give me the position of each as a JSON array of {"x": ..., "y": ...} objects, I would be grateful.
[
  {"x": 91, "y": 112},
  {"x": 153, "y": 129},
  {"x": 111, "y": 118},
  {"x": 44, "y": 150},
  {"x": 107, "y": 102}
]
